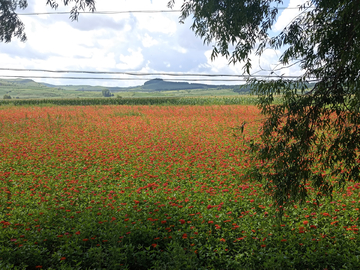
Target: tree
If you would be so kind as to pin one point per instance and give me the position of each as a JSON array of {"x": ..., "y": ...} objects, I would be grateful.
[
  {"x": 7, "y": 97},
  {"x": 106, "y": 93},
  {"x": 312, "y": 135},
  {"x": 11, "y": 26}
]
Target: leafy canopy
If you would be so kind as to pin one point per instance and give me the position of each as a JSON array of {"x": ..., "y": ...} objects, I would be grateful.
[
  {"x": 313, "y": 136},
  {"x": 11, "y": 26}
]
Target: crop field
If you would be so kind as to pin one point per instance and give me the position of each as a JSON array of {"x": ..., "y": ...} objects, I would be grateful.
[{"x": 155, "y": 187}]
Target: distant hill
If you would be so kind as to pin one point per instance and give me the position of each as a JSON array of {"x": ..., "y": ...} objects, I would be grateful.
[
  {"x": 148, "y": 86},
  {"x": 161, "y": 85},
  {"x": 27, "y": 88}
]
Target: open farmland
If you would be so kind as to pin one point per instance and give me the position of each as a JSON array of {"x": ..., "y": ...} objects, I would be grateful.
[{"x": 161, "y": 187}]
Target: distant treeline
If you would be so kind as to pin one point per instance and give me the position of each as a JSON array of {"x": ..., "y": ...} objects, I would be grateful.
[{"x": 237, "y": 100}]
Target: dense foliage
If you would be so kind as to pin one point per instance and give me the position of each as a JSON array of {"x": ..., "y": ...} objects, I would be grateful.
[
  {"x": 324, "y": 40},
  {"x": 154, "y": 187},
  {"x": 106, "y": 93},
  {"x": 135, "y": 101}
]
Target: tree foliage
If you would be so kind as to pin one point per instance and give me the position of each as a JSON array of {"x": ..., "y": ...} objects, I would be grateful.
[
  {"x": 11, "y": 26},
  {"x": 312, "y": 137},
  {"x": 106, "y": 93}
]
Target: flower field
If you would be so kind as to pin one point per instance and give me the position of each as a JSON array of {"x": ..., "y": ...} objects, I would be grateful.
[{"x": 154, "y": 187}]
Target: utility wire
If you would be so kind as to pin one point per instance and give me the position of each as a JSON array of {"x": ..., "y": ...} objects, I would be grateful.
[
  {"x": 116, "y": 12},
  {"x": 148, "y": 73},
  {"x": 120, "y": 79},
  {"x": 128, "y": 79}
]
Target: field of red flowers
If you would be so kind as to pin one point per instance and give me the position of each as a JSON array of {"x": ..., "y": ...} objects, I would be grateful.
[{"x": 154, "y": 187}]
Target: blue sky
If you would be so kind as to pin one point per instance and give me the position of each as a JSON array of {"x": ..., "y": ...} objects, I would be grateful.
[{"x": 146, "y": 42}]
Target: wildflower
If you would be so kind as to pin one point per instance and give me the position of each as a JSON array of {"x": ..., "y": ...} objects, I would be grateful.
[
  {"x": 153, "y": 245},
  {"x": 184, "y": 236},
  {"x": 62, "y": 258}
]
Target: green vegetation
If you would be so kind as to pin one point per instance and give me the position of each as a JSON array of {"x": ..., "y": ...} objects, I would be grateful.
[
  {"x": 236, "y": 100},
  {"x": 106, "y": 93},
  {"x": 29, "y": 89},
  {"x": 317, "y": 127},
  {"x": 155, "y": 187}
]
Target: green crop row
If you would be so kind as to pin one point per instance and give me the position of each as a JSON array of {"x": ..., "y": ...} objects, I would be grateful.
[{"x": 245, "y": 100}]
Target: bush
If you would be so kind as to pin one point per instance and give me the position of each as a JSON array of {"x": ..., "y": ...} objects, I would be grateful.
[
  {"x": 7, "y": 97},
  {"x": 106, "y": 93}
]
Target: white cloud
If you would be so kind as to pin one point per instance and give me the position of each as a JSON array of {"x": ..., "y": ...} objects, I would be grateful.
[
  {"x": 148, "y": 41},
  {"x": 132, "y": 61},
  {"x": 288, "y": 14},
  {"x": 145, "y": 42}
]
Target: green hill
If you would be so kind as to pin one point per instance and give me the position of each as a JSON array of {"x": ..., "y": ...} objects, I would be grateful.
[{"x": 27, "y": 88}]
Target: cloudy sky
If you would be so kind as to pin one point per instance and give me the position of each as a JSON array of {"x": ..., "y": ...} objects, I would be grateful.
[{"x": 124, "y": 42}]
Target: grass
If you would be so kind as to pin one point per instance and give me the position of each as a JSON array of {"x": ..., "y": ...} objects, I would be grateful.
[{"x": 154, "y": 187}]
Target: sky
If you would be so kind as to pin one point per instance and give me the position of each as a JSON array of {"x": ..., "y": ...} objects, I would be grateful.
[{"x": 125, "y": 42}]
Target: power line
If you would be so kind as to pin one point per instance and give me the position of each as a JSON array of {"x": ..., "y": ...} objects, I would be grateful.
[
  {"x": 119, "y": 79},
  {"x": 128, "y": 79},
  {"x": 99, "y": 12},
  {"x": 148, "y": 73},
  {"x": 115, "y": 12}
]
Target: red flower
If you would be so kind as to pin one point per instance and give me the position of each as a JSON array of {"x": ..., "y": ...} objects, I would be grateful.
[
  {"x": 184, "y": 236},
  {"x": 62, "y": 258},
  {"x": 154, "y": 245}
]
